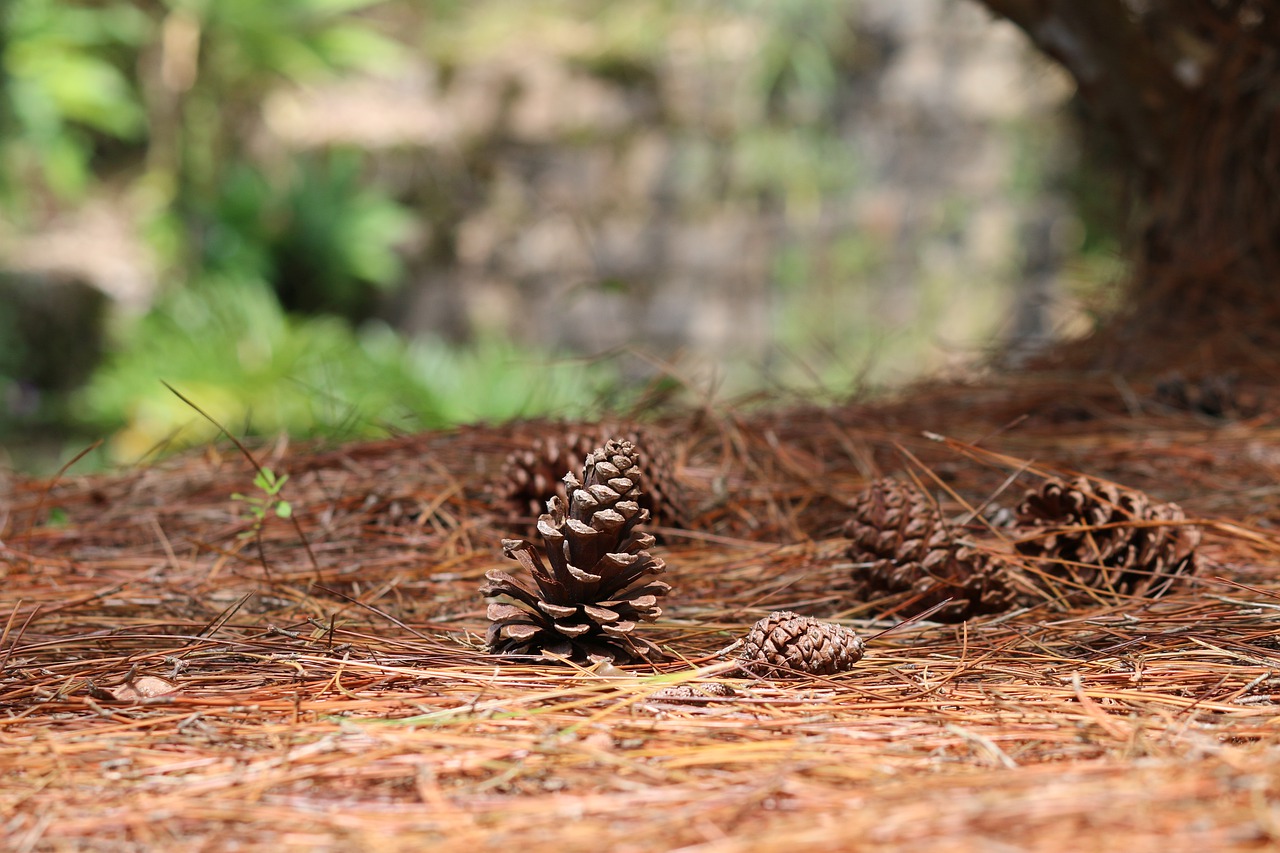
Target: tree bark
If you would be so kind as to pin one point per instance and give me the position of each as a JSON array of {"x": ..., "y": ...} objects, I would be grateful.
[{"x": 1190, "y": 89}]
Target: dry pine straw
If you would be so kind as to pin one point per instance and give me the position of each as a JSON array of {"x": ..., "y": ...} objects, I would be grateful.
[{"x": 168, "y": 683}]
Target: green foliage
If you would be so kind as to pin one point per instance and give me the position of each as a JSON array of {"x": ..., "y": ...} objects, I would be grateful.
[
  {"x": 797, "y": 73},
  {"x": 323, "y": 237},
  {"x": 793, "y": 147},
  {"x": 251, "y": 241},
  {"x": 250, "y": 42},
  {"x": 339, "y": 237},
  {"x": 254, "y": 242},
  {"x": 276, "y": 257},
  {"x": 67, "y": 78},
  {"x": 228, "y": 346},
  {"x": 266, "y": 502},
  {"x": 801, "y": 164},
  {"x": 495, "y": 380},
  {"x": 312, "y": 226},
  {"x": 216, "y": 186}
]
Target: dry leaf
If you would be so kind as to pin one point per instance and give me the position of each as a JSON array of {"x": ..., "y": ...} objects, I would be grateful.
[{"x": 138, "y": 690}]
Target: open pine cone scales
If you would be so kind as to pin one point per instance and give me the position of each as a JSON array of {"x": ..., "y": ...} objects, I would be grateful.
[
  {"x": 903, "y": 547},
  {"x": 591, "y": 591},
  {"x": 788, "y": 644},
  {"x": 533, "y": 475},
  {"x": 1106, "y": 538}
]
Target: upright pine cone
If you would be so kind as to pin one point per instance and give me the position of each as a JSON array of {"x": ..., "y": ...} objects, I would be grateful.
[
  {"x": 535, "y": 474},
  {"x": 906, "y": 549},
  {"x": 588, "y": 603},
  {"x": 1106, "y": 538},
  {"x": 786, "y": 643}
]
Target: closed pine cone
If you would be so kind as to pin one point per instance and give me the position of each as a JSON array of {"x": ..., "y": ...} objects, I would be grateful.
[
  {"x": 592, "y": 590},
  {"x": 1106, "y": 538},
  {"x": 905, "y": 548},
  {"x": 1215, "y": 394},
  {"x": 533, "y": 475},
  {"x": 785, "y": 643}
]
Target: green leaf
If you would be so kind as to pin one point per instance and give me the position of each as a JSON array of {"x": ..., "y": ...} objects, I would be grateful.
[
  {"x": 312, "y": 376},
  {"x": 334, "y": 8},
  {"x": 284, "y": 509},
  {"x": 85, "y": 88},
  {"x": 357, "y": 47}
]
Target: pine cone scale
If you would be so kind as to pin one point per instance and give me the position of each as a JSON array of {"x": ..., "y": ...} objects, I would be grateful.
[
  {"x": 515, "y": 630},
  {"x": 499, "y": 612},
  {"x": 557, "y": 611},
  {"x": 601, "y": 614}
]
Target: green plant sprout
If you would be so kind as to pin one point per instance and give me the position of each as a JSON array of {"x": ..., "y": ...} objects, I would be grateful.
[{"x": 258, "y": 506}]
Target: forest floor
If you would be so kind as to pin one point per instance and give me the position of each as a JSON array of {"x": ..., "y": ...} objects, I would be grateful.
[{"x": 178, "y": 675}]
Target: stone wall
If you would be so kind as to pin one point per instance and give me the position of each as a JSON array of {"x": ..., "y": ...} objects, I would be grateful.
[
  {"x": 664, "y": 202},
  {"x": 584, "y": 185}
]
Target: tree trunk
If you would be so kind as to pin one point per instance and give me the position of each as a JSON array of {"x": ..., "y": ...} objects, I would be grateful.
[{"x": 1190, "y": 89}]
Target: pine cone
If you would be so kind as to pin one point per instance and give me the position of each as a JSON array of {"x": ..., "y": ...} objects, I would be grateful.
[
  {"x": 588, "y": 603},
  {"x": 1215, "y": 394},
  {"x": 788, "y": 644},
  {"x": 1101, "y": 536},
  {"x": 534, "y": 475},
  {"x": 906, "y": 549}
]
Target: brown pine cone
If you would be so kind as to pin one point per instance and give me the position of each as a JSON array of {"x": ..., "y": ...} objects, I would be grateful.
[
  {"x": 784, "y": 643},
  {"x": 1216, "y": 395},
  {"x": 532, "y": 476},
  {"x": 1102, "y": 537},
  {"x": 591, "y": 592},
  {"x": 902, "y": 546}
]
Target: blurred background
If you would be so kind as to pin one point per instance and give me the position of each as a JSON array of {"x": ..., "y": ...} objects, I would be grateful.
[{"x": 349, "y": 218}]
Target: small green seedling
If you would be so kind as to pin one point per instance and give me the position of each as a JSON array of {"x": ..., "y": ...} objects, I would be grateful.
[{"x": 257, "y": 506}]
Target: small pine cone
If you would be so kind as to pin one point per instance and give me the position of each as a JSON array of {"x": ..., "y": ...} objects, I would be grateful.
[
  {"x": 587, "y": 602},
  {"x": 904, "y": 548},
  {"x": 1215, "y": 395},
  {"x": 694, "y": 693},
  {"x": 1106, "y": 538},
  {"x": 534, "y": 475},
  {"x": 784, "y": 643}
]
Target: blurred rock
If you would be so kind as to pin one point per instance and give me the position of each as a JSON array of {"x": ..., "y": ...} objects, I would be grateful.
[
  {"x": 613, "y": 185},
  {"x": 51, "y": 334},
  {"x": 97, "y": 243}
]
